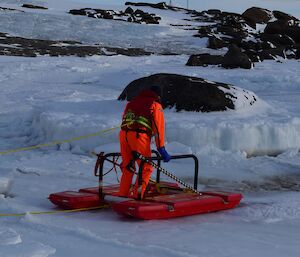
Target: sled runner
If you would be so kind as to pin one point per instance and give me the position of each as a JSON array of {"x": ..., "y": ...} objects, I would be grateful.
[{"x": 162, "y": 199}]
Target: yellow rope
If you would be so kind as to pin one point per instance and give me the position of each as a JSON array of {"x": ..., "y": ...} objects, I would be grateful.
[
  {"x": 58, "y": 142},
  {"x": 49, "y": 144},
  {"x": 53, "y": 212}
]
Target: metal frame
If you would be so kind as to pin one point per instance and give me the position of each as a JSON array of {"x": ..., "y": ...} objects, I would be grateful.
[
  {"x": 158, "y": 159},
  {"x": 175, "y": 157}
]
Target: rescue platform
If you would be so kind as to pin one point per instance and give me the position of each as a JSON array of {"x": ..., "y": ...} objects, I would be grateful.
[{"x": 162, "y": 200}]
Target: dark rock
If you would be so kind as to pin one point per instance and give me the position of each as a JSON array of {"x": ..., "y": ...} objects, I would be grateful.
[
  {"x": 230, "y": 29},
  {"x": 216, "y": 43},
  {"x": 108, "y": 15},
  {"x": 213, "y": 11},
  {"x": 34, "y": 6},
  {"x": 100, "y": 14},
  {"x": 258, "y": 15},
  {"x": 231, "y": 16},
  {"x": 235, "y": 32},
  {"x": 161, "y": 5},
  {"x": 235, "y": 58},
  {"x": 18, "y": 46},
  {"x": 131, "y": 19},
  {"x": 273, "y": 52},
  {"x": 284, "y": 16},
  {"x": 204, "y": 60},
  {"x": 230, "y": 19},
  {"x": 233, "y": 41},
  {"x": 205, "y": 30},
  {"x": 264, "y": 55},
  {"x": 128, "y": 51},
  {"x": 149, "y": 19},
  {"x": 298, "y": 54},
  {"x": 129, "y": 10},
  {"x": 284, "y": 28},
  {"x": 139, "y": 12},
  {"x": 137, "y": 16},
  {"x": 188, "y": 93},
  {"x": 266, "y": 45},
  {"x": 294, "y": 33},
  {"x": 250, "y": 22},
  {"x": 249, "y": 45},
  {"x": 277, "y": 39},
  {"x": 276, "y": 27},
  {"x": 253, "y": 55},
  {"x": 9, "y": 9},
  {"x": 78, "y": 12}
]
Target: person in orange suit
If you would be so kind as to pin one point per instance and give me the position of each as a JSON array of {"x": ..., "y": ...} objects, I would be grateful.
[{"x": 143, "y": 118}]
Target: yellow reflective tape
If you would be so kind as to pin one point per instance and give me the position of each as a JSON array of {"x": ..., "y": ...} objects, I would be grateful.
[
  {"x": 53, "y": 212},
  {"x": 141, "y": 120},
  {"x": 144, "y": 124},
  {"x": 129, "y": 121},
  {"x": 59, "y": 141}
]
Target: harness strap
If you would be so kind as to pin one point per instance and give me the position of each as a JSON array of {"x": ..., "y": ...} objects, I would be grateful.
[{"x": 130, "y": 119}]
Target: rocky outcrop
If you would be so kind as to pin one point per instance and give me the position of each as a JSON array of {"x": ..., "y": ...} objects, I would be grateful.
[
  {"x": 129, "y": 15},
  {"x": 284, "y": 16},
  {"x": 235, "y": 58},
  {"x": 216, "y": 42},
  {"x": 281, "y": 37},
  {"x": 191, "y": 93},
  {"x": 18, "y": 46},
  {"x": 204, "y": 60},
  {"x": 32, "y": 6},
  {"x": 245, "y": 45},
  {"x": 161, "y": 5},
  {"x": 277, "y": 40},
  {"x": 298, "y": 54},
  {"x": 9, "y": 9},
  {"x": 258, "y": 15},
  {"x": 284, "y": 27}
]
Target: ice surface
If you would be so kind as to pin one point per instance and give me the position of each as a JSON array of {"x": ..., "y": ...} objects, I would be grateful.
[
  {"x": 44, "y": 99},
  {"x": 79, "y": 98},
  {"x": 9, "y": 237}
]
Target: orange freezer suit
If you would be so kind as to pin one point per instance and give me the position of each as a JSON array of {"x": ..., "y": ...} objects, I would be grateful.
[{"x": 143, "y": 117}]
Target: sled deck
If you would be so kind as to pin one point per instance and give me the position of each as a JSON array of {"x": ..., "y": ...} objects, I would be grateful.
[
  {"x": 171, "y": 203},
  {"x": 177, "y": 205},
  {"x": 89, "y": 197},
  {"x": 162, "y": 200},
  {"x": 75, "y": 200}
]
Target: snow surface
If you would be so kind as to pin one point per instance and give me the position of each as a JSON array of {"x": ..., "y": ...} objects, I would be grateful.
[{"x": 56, "y": 98}]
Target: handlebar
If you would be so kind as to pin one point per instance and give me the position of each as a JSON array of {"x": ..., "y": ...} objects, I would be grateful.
[{"x": 102, "y": 158}]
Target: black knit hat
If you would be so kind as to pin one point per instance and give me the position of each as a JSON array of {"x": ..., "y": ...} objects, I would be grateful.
[{"x": 156, "y": 89}]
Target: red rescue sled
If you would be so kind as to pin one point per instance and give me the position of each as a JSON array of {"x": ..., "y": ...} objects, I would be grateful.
[
  {"x": 75, "y": 200},
  {"x": 177, "y": 205},
  {"x": 162, "y": 199}
]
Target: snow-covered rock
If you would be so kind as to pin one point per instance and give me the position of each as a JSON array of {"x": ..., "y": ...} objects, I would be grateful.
[{"x": 192, "y": 93}]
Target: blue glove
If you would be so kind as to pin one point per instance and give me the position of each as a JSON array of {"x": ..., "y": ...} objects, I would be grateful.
[{"x": 164, "y": 154}]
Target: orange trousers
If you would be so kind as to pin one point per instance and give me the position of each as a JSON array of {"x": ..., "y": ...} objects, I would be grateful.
[{"x": 139, "y": 142}]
